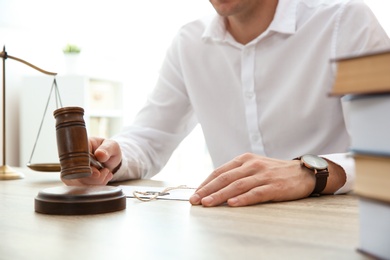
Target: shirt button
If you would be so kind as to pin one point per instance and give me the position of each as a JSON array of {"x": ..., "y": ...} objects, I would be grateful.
[
  {"x": 255, "y": 137},
  {"x": 247, "y": 52},
  {"x": 249, "y": 94}
]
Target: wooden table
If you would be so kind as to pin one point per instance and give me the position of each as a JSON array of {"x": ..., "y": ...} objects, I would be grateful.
[{"x": 313, "y": 228}]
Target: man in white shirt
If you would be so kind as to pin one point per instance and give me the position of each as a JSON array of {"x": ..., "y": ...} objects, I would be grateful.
[{"x": 257, "y": 78}]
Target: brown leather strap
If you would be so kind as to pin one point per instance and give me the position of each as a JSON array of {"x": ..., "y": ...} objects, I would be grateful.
[{"x": 321, "y": 180}]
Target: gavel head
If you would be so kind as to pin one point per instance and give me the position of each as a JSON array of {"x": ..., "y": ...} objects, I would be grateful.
[{"x": 72, "y": 143}]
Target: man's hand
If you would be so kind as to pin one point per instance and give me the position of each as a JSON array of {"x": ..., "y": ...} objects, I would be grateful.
[
  {"x": 250, "y": 179},
  {"x": 109, "y": 154}
]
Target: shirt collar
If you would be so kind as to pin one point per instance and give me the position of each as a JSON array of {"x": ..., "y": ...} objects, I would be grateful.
[
  {"x": 284, "y": 22},
  {"x": 285, "y": 18}
]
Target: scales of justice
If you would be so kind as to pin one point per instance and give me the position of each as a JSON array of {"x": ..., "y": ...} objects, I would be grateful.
[{"x": 75, "y": 161}]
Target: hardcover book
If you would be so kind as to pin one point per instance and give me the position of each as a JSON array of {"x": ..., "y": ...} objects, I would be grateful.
[
  {"x": 374, "y": 225},
  {"x": 362, "y": 74},
  {"x": 368, "y": 122},
  {"x": 372, "y": 177}
]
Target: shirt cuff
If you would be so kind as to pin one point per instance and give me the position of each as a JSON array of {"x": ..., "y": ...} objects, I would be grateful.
[{"x": 347, "y": 162}]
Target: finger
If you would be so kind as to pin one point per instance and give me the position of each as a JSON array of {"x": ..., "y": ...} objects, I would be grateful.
[
  {"x": 101, "y": 177},
  {"x": 107, "y": 152},
  {"x": 220, "y": 170},
  {"x": 108, "y": 178},
  {"x": 224, "y": 176},
  {"x": 103, "y": 151},
  {"x": 94, "y": 143},
  {"x": 270, "y": 189},
  {"x": 98, "y": 177},
  {"x": 216, "y": 183},
  {"x": 225, "y": 186},
  {"x": 256, "y": 195},
  {"x": 236, "y": 188}
]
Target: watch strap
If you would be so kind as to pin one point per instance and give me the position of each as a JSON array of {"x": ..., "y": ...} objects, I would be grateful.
[{"x": 321, "y": 179}]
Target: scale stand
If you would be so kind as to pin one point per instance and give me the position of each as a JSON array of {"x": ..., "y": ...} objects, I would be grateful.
[{"x": 6, "y": 172}]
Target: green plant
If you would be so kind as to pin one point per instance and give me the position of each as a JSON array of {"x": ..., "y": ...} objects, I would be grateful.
[{"x": 71, "y": 48}]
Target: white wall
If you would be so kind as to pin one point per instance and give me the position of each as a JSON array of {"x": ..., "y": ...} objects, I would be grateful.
[
  {"x": 120, "y": 39},
  {"x": 381, "y": 10}
]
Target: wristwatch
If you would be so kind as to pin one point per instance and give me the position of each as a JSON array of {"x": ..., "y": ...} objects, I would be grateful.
[{"x": 320, "y": 168}]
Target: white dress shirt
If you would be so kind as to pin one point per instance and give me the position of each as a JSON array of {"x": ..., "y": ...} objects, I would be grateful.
[{"x": 269, "y": 97}]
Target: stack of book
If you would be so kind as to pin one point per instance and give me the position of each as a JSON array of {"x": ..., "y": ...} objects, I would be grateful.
[{"x": 364, "y": 83}]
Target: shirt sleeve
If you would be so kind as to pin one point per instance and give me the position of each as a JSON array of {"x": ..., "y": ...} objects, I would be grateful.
[
  {"x": 357, "y": 31},
  {"x": 164, "y": 121},
  {"x": 348, "y": 164}
]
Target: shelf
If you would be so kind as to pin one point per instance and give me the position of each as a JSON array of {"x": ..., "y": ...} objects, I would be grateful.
[
  {"x": 101, "y": 99},
  {"x": 105, "y": 113}
]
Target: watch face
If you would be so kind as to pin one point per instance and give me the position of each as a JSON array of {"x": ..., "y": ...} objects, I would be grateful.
[{"x": 314, "y": 161}]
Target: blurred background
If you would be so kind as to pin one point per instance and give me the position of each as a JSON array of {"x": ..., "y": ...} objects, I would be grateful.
[{"x": 120, "y": 41}]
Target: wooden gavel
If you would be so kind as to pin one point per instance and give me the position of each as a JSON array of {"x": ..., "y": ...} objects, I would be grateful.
[
  {"x": 72, "y": 143},
  {"x": 75, "y": 162}
]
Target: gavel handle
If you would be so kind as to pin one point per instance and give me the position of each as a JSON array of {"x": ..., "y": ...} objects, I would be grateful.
[{"x": 95, "y": 162}]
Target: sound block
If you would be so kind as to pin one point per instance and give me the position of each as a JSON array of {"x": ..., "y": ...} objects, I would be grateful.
[{"x": 80, "y": 200}]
